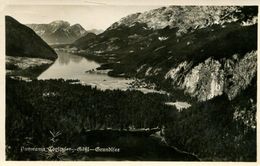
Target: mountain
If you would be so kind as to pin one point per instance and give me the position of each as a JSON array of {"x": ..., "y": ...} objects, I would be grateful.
[
  {"x": 24, "y": 42},
  {"x": 185, "y": 18},
  {"x": 206, "y": 51},
  {"x": 58, "y": 32},
  {"x": 205, "y": 55},
  {"x": 89, "y": 37},
  {"x": 95, "y": 31}
]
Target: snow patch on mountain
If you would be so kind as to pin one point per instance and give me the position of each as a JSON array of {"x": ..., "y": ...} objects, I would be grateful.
[
  {"x": 250, "y": 22},
  {"x": 162, "y": 38}
]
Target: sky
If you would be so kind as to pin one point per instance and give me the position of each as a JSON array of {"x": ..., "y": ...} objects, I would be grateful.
[{"x": 89, "y": 16}]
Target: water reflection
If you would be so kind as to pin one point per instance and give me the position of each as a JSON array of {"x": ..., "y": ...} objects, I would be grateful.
[
  {"x": 66, "y": 58},
  {"x": 69, "y": 66}
]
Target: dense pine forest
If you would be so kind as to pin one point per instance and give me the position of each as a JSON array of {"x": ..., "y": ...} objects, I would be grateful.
[
  {"x": 208, "y": 129},
  {"x": 201, "y": 56}
]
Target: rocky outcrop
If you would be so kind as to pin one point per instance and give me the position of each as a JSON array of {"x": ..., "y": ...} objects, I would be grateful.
[
  {"x": 182, "y": 17},
  {"x": 199, "y": 49},
  {"x": 58, "y": 32},
  {"x": 240, "y": 74},
  {"x": 215, "y": 77}
]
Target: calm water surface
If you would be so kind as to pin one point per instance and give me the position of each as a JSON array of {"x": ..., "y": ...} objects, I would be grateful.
[
  {"x": 70, "y": 66},
  {"x": 132, "y": 147}
]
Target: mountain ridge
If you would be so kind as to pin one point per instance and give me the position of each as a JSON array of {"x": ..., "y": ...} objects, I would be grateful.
[
  {"x": 24, "y": 42},
  {"x": 139, "y": 46},
  {"x": 58, "y": 31},
  {"x": 182, "y": 17}
]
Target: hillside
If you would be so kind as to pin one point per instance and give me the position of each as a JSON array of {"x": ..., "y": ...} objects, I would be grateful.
[
  {"x": 24, "y": 42},
  {"x": 90, "y": 37},
  {"x": 58, "y": 32},
  {"x": 203, "y": 56},
  {"x": 205, "y": 51},
  {"x": 27, "y": 55}
]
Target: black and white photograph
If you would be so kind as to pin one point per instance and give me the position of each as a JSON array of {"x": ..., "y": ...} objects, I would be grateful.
[{"x": 101, "y": 81}]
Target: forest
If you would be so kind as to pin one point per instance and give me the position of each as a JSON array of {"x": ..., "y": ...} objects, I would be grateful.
[
  {"x": 37, "y": 107},
  {"x": 207, "y": 129}
]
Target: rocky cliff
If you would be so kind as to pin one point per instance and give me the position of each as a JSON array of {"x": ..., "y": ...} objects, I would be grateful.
[
  {"x": 184, "y": 18},
  {"x": 206, "y": 51},
  {"x": 58, "y": 32},
  {"x": 215, "y": 77}
]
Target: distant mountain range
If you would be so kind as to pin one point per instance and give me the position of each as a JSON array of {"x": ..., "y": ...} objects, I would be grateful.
[
  {"x": 24, "y": 42},
  {"x": 59, "y": 32},
  {"x": 206, "y": 55},
  {"x": 205, "y": 50}
]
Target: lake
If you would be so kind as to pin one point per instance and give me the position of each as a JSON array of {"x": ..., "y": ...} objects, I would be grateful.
[
  {"x": 134, "y": 146},
  {"x": 113, "y": 145},
  {"x": 70, "y": 66}
]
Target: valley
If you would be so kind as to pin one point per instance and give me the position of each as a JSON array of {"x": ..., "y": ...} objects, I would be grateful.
[
  {"x": 176, "y": 77},
  {"x": 73, "y": 67}
]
